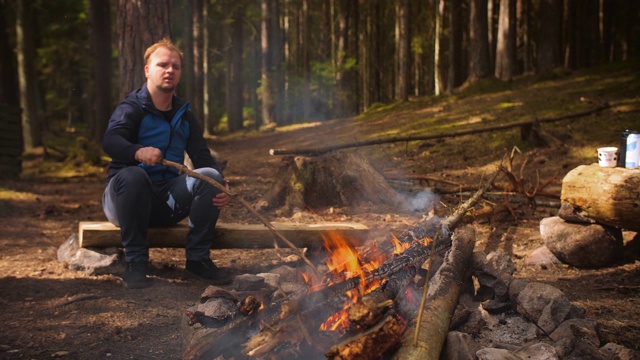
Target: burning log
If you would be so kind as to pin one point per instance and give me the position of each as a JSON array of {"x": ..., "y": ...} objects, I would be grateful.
[
  {"x": 442, "y": 301},
  {"x": 386, "y": 335}
]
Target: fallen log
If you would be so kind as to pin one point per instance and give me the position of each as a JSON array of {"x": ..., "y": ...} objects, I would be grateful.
[
  {"x": 609, "y": 196},
  {"x": 527, "y": 126},
  {"x": 103, "y": 234},
  {"x": 442, "y": 300}
]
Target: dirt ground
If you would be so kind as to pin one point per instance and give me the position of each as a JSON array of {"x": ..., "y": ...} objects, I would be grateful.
[{"x": 49, "y": 311}]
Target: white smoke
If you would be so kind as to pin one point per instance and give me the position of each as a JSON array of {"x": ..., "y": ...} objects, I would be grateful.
[{"x": 424, "y": 201}]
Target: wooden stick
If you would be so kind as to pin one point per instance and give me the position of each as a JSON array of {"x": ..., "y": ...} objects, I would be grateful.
[{"x": 235, "y": 196}]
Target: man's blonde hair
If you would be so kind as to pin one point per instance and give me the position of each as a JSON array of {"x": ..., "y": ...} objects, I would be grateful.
[{"x": 165, "y": 43}]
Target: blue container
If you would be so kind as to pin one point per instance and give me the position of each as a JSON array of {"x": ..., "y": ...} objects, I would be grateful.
[{"x": 632, "y": 156}]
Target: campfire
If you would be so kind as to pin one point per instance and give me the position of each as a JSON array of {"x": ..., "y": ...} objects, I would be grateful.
[{"x": 358, "y": 303}]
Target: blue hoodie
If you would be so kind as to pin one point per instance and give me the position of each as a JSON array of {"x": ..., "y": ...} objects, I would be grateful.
[{"x": 136, "y": 123}]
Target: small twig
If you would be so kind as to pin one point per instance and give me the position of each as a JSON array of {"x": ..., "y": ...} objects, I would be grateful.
[
  {"x": 235, "y": 196},
  {"x": 78, "y": 299},
  {"x": 305, "y": 333}
]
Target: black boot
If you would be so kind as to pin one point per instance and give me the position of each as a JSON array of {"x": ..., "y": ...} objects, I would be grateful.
[
  {"x": 135, "y": 276},
  {"x": 208, "y": 271}
]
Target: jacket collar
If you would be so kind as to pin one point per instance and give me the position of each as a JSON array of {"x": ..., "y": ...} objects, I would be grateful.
[{"x": 143, "y": 97}]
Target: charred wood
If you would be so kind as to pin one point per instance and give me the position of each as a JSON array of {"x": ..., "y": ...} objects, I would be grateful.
[{"x": 381, "y": 338}]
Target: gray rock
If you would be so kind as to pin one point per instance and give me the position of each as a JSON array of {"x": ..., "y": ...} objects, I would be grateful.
[
  {"x": 537, "y": 351},
  {"x": 92, "y": 261},
  {"x": 249, "y": 282},
  {"x": 543, "y": 304},
  {"x": 271, "y": 279},
  {"x": 459, "y": 346},
  {"x": 582, "y": 328},
  {"x": 619, "y": 352},
  {"x": 542, "y": 256},
  {"x": 582, "y": 245},
  {"x": 496, "y": 354}
]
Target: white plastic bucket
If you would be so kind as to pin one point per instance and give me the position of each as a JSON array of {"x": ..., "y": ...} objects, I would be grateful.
[{"x": 608, "y": 156}]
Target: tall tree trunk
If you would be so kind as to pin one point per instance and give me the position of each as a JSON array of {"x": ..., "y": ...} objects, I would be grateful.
[
  {"x": 506, "y": 46},
  {"x": 10, "y": 121},
  {"x": 402, "y": 50},
  {"x": 207, "y": 111},
  {"x": 437, "y": 49},
  {"x": 479, "y": 60},
  {"x": 25, "y": 49},
  {"x": 100, "y": 14},
  {"x": 455, "y": 45},
  {"x": 268, "y": 84},
  {"x": 367, "y": 53},
  {"x": 140, "y": 24},
  {"x": 493, "y": 10},
  {"x": 306, "y": 61},
  {"x": 524, "y": 44},
  {"x": 187, "y": 84},
  {"x": 235, "y": 101},
  {"x": 549, "y": 36},
  {"x": 197, "y": 101},
  {"x": 606, "y": 28}
]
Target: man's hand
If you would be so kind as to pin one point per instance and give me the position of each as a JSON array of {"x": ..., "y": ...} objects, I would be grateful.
[
  {"x": 221, "y": 200},
  {"x": 149, "y": 155}
]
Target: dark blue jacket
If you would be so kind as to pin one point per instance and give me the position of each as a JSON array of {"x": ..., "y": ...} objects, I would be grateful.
[{"x": 136, "y": 123}]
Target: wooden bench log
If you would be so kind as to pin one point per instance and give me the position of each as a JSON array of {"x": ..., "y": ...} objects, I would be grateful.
[
  {"x": 610, "y": 196},
  {"x": 228, "y": 235}
]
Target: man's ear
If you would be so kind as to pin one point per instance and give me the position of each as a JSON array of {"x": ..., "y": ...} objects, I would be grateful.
[{"x": 146, "y": 71}]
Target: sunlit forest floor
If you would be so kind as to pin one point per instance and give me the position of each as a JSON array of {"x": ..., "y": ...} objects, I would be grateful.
[{"x": 41, "y": 210}]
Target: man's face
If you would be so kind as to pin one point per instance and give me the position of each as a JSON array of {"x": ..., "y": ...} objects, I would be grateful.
[{"x": 163, "y": 70}]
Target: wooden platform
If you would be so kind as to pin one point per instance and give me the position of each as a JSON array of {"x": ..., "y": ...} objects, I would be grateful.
[{"x": 228, "y": 236}]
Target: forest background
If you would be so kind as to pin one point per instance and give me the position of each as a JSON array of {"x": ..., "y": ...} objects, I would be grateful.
[
  {"x": 261, "y": 64},
  {"x": 298, "y": 73}
]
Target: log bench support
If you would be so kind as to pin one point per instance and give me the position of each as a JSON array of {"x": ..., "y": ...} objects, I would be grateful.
[{"x": 103, "y": 234}]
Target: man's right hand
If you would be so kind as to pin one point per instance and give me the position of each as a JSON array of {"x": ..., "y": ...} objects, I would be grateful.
[{"x": 149, "y": 155}]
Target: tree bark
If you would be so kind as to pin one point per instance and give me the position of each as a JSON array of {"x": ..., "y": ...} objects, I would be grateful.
[
  {"x": 100, "y": 14},
  {"x": 197, "y": 24},
  {"x": 442, "y": 300},
  {"x": 10, "y": 119},
  {"x": 437, "y": 49},
  {"x": 267, "y": 87},
  {"x": 402, "y": 50},
  {"x": 140, "y": 24},
  {"x": 235, "y": 101},
  {"x": 455, "y": 72},
  {"x": 549, "y": 36},
  {"x": 506, "y": 46},
  {"x": 27, "y": 78},
  {"x": 609, "y": 196},
  {"x": 479, "y": 61}
]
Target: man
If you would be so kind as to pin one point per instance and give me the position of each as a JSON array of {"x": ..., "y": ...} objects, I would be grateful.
[{"x": 150, "y": 124}]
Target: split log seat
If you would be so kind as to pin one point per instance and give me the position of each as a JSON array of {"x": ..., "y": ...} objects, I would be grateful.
[
  {"x": 103, "y": 234},
  {"x": 610, "y": 196}
]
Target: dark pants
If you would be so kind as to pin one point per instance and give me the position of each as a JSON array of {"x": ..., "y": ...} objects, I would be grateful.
[{"x": 134, "y": 203}]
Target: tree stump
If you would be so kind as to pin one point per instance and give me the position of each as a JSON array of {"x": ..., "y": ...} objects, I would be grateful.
[
  {"x": 609, "y": 196},
  {"x": 337, "y": 179}
]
